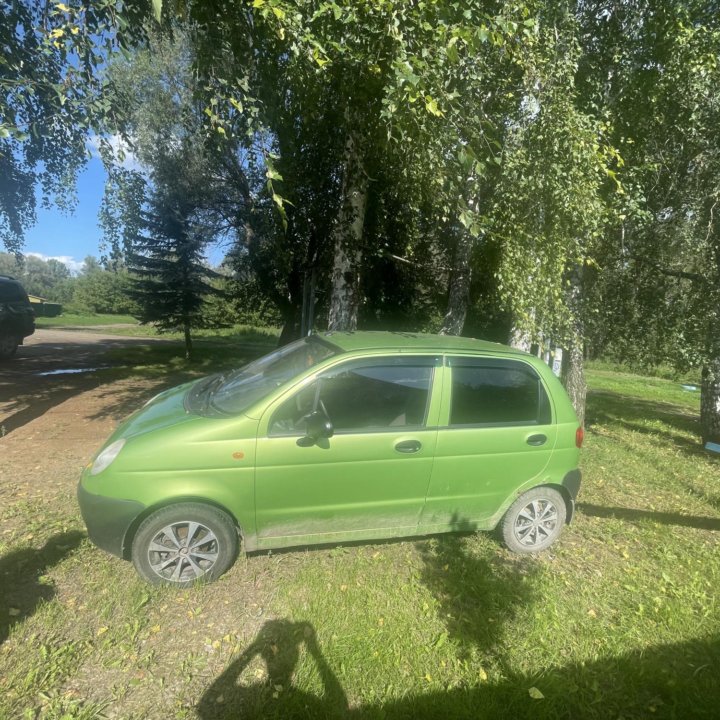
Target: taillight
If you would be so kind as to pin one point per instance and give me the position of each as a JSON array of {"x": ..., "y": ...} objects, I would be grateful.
[{"x": 579, "y": 436}]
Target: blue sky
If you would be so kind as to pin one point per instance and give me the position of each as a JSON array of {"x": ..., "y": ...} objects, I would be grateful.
[{"x": 73, "y": 237}]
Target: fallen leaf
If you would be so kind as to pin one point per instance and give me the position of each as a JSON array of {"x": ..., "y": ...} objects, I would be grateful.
[
  {"x": 482, "y": 674},
  {"x": 535, "y": 694},
  {"x": 101, "y": 631}
]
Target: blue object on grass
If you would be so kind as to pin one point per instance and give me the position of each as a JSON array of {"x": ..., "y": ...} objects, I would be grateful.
[{"x": 712, "y": 447}]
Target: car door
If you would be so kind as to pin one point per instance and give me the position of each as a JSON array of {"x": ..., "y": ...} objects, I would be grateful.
[
  {"x": 371, "y": 477},
  {"x": 496, "y": 433}
]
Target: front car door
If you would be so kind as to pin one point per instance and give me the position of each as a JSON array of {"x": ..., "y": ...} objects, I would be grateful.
[
  {"x": 370, "y": 479},
  {"x": 496, "y": 434}
]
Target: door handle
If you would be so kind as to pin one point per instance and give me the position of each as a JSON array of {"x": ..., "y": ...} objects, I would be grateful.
[
  {"x": 537, "y": 440},
  {"x": 408, "y": 446}
]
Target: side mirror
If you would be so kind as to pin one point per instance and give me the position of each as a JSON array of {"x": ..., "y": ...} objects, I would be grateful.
[{"x": 317, "y": 427}]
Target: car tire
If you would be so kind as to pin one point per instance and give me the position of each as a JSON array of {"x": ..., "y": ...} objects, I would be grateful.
[
  {"x": 8, "y": 346},
  {"x": 534, "y": 521},
  {"x": 163, "y": 554}
]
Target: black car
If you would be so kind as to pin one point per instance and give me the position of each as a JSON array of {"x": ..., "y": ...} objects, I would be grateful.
[{"x": 17, "y": 318}]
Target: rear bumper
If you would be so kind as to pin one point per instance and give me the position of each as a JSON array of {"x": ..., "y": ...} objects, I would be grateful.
[{"x": 108, "y": 519}]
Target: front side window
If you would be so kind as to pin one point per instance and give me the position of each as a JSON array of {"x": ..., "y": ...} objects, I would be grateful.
[
  {"x": 369, "y": 395},
  {"x": 496, "y": 392}
]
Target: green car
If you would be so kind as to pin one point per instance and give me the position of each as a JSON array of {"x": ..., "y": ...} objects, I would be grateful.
[{"x": 334, "y": 438}]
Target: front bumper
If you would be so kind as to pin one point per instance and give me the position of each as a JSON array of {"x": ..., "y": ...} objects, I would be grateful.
[{"x": 108, "y": 519}]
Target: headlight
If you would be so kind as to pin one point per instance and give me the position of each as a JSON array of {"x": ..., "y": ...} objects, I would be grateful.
[{"x": 104, "y": 459}]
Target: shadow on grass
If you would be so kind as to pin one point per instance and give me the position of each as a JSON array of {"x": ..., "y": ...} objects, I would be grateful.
[
  {"x": 477, "y": 594},
  {"x": 694, "y": 521},
  {"x": 667, "y": 681},
  {"x": 632, "y": 413},
  {"x": 270, "y": 692},
  {"x": 21, "y": 586}
]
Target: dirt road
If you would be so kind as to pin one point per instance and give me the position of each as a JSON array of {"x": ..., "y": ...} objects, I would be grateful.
[
  {"x": 51, "y": 368},
  {"x": 50, "y": 424}
]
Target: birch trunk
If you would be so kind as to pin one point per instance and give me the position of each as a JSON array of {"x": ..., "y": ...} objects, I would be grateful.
[
  {"x": 573, "y": 377},
  {"x": 710, "y": 402},
  {"x": 459, "y": 290},
  {"x": 345, "y": 294}
]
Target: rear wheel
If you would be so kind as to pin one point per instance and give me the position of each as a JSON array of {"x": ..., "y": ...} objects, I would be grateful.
[
  {"x": 534, "y": 521},
  {"x": 183, "y": 544}
]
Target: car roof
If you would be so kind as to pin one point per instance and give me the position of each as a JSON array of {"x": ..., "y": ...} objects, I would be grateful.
[{"x": 415, "y": 342}]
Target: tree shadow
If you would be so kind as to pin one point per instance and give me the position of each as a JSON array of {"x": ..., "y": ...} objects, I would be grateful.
[
  {"x": 478, "y": 594},
  {"x": 26, "y": 393},
  {"x": 668, "y": 681},
  {"x": 22, "y": 588},
  {"x": 632, "y": 515},
  {"x": 272, "y": 694}
]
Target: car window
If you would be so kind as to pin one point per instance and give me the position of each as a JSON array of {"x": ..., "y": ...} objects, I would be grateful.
[
  {"x": 370, "y": 395},
  {"x": 496, "y": 392}
]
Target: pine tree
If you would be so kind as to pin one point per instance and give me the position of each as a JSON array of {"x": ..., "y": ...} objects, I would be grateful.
[{"x": 171, "y": 280}]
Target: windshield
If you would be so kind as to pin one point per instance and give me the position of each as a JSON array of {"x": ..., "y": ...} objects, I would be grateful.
[{"x": 243, "y": 387}]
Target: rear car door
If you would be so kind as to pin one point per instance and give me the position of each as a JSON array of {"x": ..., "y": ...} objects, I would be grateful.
[{"x": 496, "y": 433}]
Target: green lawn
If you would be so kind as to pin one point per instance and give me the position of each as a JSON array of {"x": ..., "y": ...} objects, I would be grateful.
[
  {"x": 118, "y": 325},
  {"x": 620, "y": 620},
  {"x": 83, "y": 320}
]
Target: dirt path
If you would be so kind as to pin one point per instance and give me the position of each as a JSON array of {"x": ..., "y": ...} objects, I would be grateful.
[
  {"x": 37, "y": 379},
  {"x": 50, "y": 424}
]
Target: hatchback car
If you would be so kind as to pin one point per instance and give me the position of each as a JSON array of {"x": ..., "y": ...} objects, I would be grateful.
[{"x": 334, "y": 438}]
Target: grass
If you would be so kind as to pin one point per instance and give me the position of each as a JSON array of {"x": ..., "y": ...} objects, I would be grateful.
[
  {"x": 621, "y": 619},
  {"x": 90, "y": 321},
  {"x": 79, "y": 319}
]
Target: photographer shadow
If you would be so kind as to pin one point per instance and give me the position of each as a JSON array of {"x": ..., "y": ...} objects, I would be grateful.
[{"x": 272, "y": 694}]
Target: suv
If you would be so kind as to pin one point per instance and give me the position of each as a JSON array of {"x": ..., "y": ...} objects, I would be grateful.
[
  {"x": 17, "y": 319},
  {"x": 335, "y": 438}
]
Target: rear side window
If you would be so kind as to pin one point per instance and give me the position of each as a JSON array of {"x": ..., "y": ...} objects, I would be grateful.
[
  {"x": 10, "y": 291},
  {"x": 496, "y": 392}
]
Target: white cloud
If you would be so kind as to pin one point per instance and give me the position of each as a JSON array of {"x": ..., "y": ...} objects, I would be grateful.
[
  {"x": 121, "y": 151},
  {"x": 70, "y": 262}
]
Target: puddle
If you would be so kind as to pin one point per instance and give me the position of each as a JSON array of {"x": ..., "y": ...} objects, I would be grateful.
[{"x": 69, "y": 371}]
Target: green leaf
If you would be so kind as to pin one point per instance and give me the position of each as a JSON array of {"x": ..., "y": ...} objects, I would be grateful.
[
  {"x": 157, "y": 9},
  {"x": 535, "y": 694}
]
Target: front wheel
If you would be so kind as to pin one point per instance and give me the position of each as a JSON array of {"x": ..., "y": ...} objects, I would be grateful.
[
  {"x": 534, "y": 521},
  {"x": 182, "y": 544}
]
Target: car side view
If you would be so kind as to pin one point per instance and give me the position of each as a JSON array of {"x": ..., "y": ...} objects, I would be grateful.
[
  {"x": 17, "y": 319},
  {"x": 334, "y": 438}
]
